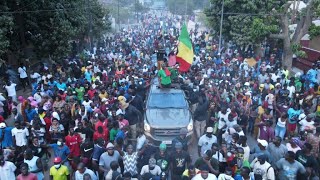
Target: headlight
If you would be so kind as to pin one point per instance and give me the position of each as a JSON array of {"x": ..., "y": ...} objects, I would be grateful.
[
  {"x": 190, "y": 127},
  {"x": 147, "y": 127}
]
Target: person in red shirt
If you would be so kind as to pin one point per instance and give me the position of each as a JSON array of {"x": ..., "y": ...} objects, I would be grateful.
[
  {"x": 91, "y": 92},
  {"x": 73, "y": 141},
  {"x": 101, "y": 133},
  {"x": 25, "y": 174},
  {"x": 103, "y": 121},
  {"x": 1, "y": 119}
]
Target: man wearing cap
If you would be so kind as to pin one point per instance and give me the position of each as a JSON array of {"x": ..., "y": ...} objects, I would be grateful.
[
  {"x": 262, "y": 169},
  {"x": 107, "y": 157},
  {"x": 162, "y": 158},
  {"x": 59, "y": 171},
  {"x": 152, "y": 168},
  {"x": 182, "y": 138},
  {"x": 261, "y": 149},
  {"x": 5, "y": 136},
  {"x": 206, "y": 141}
]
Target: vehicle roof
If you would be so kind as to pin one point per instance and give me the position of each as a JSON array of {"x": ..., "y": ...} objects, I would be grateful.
[{"x": 154, "y": 88}]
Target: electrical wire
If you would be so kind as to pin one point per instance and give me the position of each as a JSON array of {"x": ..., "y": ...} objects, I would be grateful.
[
  {"x": 25, "y": 6},
  {"x": 161, "y": 9}
]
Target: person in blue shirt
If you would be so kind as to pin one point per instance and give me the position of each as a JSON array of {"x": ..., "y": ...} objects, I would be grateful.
[
  {"x": 312, "y": 74},
  {"x": 30, "y": 112},
  {"x": 52, "y": 83},
  {"x": 61, "y": 85},
  {"x": 61, "y": 150},
  {"x": 293, "y": 114},
  {"x": 5, "y": 136},
  {"x": 35, "y": 86},
  {"x": 88, "y": 75}
]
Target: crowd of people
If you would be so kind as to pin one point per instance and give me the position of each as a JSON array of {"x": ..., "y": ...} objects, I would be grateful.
[{"x": 86, "y": 113}]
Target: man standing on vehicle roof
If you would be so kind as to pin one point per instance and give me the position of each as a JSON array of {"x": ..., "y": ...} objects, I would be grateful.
[{"x": 164, "y": 75}]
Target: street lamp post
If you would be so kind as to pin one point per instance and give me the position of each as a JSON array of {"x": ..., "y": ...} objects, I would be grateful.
[{"x": 221, "y": 23}]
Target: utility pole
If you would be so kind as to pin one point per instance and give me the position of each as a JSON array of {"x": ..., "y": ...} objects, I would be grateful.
[
  {"x": 136, "y": 9},
  {"x": 221, "y": 23},
  {"x": 119, "y": 15},
  {"x": 90, "y": 24}
]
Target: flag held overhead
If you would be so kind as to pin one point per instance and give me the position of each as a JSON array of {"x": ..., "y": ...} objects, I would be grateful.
[{"x": 185, "y": 50}]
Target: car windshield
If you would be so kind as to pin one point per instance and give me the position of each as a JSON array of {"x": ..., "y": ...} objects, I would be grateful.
[{"x": 167, "y": 100}]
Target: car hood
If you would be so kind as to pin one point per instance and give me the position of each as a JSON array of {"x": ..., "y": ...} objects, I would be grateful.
[{"x": 168, "y": 118}]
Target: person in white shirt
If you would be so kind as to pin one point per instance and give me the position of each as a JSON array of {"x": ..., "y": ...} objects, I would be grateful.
[
  {"x": 36, "y": 76},
  {"x": 37, "y": 96},
  {"x": 204, "y": 174},
  {"x": 141, "y": 139},
  {"x": 7, "y": 169},
  {"x": 306, "y": 122},
  {"x": 87, "y": 102},
  {"x": 223, "y": 117},
  {"x": 20, "y": 135},
  {"x": 230, "y": 122},
  {"x": 22, "y": 70},
  {"x": 152, "y": 168},
  {"x": 227, "y": 175},
  {"x": 11, "y": 90},
  {"x": 216, "y": 154},
  {"x": 246, "y": 148},
  {"x": 291, "y": 89},
  {"x": 206, "y": 141},
  {"x": 262, "y": 169},
  {"x": 82, "y": 170}
]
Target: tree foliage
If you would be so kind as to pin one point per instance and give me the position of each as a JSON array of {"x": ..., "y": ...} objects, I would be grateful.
[
  {"x": 247, "y": 21},
  {"x": 314, "y": 31},
  {"x": 240, "y": 16},
  {"x": 50, "y": 26},
  {"x": 6, "y": 27}
]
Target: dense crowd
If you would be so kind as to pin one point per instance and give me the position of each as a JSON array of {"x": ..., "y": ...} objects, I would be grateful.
[{"x": 87, "y": 112}]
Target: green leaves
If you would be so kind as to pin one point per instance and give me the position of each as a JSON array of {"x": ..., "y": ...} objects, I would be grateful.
[
  {"x": 50, "y": 26},
  {"x": 314, "y": 31},
  {"x": 6, "y": 28},
  {"x": 245, "y": 21}
]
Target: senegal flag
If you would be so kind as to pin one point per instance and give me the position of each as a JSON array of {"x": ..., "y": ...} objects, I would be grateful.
[{"x": 185, "y": 50}]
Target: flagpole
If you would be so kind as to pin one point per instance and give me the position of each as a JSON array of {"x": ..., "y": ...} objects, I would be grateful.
[{"x": 186, "y": 12}]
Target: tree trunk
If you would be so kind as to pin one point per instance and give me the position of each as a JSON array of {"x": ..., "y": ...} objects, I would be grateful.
[{"x": 287, "y": 53}]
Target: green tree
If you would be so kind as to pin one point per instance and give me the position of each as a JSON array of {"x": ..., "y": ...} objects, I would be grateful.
[
  {"x": 51, "y": 26},
  {"x": 247, "y": 21},
  {"x": 6, "y": 27}
]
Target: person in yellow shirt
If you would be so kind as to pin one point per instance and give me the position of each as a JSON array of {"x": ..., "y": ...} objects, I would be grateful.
[
  {"x": 190, "y": 172},
  {"x": 103, "y": 94},
  {"x": 59, "y": 171}
]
